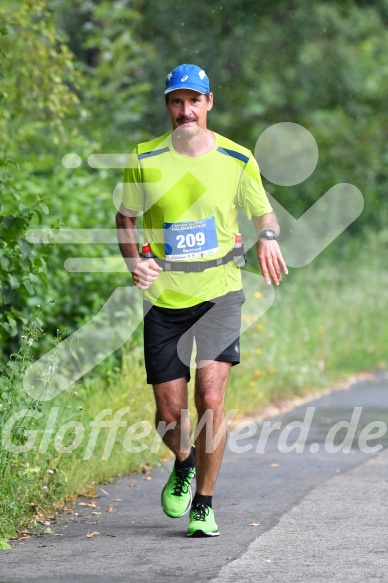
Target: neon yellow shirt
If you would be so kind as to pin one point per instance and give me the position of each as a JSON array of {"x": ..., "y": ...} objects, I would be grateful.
[{"x": 190, "y": 207}]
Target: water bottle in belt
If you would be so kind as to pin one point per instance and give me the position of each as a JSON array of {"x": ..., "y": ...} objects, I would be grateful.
[
  {"x": 238, "y": 251},
  {"x": 146, "y": 252}
]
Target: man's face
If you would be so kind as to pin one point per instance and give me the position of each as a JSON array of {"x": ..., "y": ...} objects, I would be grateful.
[{"x": 188, "y": 110}]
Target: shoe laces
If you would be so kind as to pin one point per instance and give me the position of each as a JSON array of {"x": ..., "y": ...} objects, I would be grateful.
[
  {"x": 182, "y": 483},
  {"x": 201, "y": 512}
]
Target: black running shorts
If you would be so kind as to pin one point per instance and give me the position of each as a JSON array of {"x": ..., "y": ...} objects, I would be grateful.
[{"x": 169, "y": 336}]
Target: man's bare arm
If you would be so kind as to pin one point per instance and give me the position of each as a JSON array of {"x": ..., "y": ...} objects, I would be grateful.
[
  {"x": 144, "y": 273},
  {"x": 267, "y": 221},
  {"x": 127, "y": 237},
  {"x": 268, "y": 251}
]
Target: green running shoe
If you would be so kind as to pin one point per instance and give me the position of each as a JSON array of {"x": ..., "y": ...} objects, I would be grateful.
[
  {"x": 176, "y": 494},
  {"x": 202, "y": 522}
]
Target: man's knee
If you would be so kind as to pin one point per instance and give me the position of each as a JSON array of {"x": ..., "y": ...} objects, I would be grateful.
[
  {"x": 210, "y": 401},
  {"x": 171, "y": 416}
]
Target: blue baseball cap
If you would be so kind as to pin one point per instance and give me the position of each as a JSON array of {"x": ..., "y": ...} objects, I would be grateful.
[{"x": 187, "y": 77}]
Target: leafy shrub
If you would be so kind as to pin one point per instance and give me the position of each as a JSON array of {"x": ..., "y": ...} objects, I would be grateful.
[{"x": 22, "y": 267}]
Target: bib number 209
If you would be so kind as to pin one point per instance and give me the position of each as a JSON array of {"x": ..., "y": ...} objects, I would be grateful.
[{"x": 190, "y": 240}]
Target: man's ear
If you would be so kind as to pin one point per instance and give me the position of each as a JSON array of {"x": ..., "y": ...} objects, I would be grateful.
[{"x": 210, "y": 102}]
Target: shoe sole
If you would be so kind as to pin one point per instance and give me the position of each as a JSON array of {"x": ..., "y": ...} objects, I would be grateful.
[{"x": 202, "y": 534}]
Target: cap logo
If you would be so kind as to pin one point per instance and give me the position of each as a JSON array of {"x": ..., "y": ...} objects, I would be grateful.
[
  {"x": 185, "y": 78},
  {"x": 169, "y": 76},
  {"x": 202, "y": 74}
]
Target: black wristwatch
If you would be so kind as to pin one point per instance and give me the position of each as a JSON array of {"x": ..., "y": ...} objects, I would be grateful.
[{"x": 268, "y": 234}]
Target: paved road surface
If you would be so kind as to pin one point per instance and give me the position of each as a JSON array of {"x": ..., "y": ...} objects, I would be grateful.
[{"x": 323, "y": 516}]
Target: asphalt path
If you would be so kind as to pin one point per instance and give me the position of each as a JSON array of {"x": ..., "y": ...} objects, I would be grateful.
[{"x": 316, "y": 514}]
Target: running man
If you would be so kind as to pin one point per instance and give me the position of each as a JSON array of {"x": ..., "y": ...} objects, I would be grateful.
[{"x": 190, "y": 184}]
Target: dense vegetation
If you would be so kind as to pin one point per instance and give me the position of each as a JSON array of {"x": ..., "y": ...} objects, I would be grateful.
[{"x": 86, "y": 77}]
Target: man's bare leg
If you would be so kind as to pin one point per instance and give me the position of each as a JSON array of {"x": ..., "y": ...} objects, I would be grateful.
[
  {"x": 210, "y": 385},
  {"x": 171, "y": 407}
]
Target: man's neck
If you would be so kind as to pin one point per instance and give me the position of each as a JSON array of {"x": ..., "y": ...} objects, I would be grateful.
[{"x": 193, "y": 145}]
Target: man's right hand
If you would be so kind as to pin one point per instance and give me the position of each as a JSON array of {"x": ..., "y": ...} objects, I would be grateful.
[{"x": 145, "y": 273}]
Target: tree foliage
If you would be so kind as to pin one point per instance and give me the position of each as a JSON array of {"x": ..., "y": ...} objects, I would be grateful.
[
  {"x": 56, "y": 103},
  {"x": 87, "y": 76},
  {"x": 40, "y": 82},
  {"x": 22, "y": 267},
  {"x": 103, "y": 37},
  {"x": 322, "y": 65}
]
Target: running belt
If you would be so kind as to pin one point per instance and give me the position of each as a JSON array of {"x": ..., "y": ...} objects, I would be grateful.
[{"x": 199, "y": 266}]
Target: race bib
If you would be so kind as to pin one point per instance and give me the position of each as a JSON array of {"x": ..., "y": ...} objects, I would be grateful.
[{"x": 191, "y": 240}]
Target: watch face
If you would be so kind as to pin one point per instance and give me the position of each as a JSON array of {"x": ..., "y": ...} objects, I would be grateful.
[{"x": 269, "y": 234}]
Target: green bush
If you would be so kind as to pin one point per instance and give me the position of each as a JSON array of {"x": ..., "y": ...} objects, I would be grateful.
[{"x": 22, "y": 267}]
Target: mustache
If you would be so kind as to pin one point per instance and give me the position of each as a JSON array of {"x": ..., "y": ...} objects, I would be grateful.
[{"x": 184, "y": 118}]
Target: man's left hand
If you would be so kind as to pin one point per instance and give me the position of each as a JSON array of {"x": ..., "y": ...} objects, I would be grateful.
[{"x": 271, "y": 261}]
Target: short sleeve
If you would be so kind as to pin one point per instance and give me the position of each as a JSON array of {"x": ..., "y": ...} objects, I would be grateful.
[
  {"x": 251, "y": 196},
  {"x": 133, "y": 191}
]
